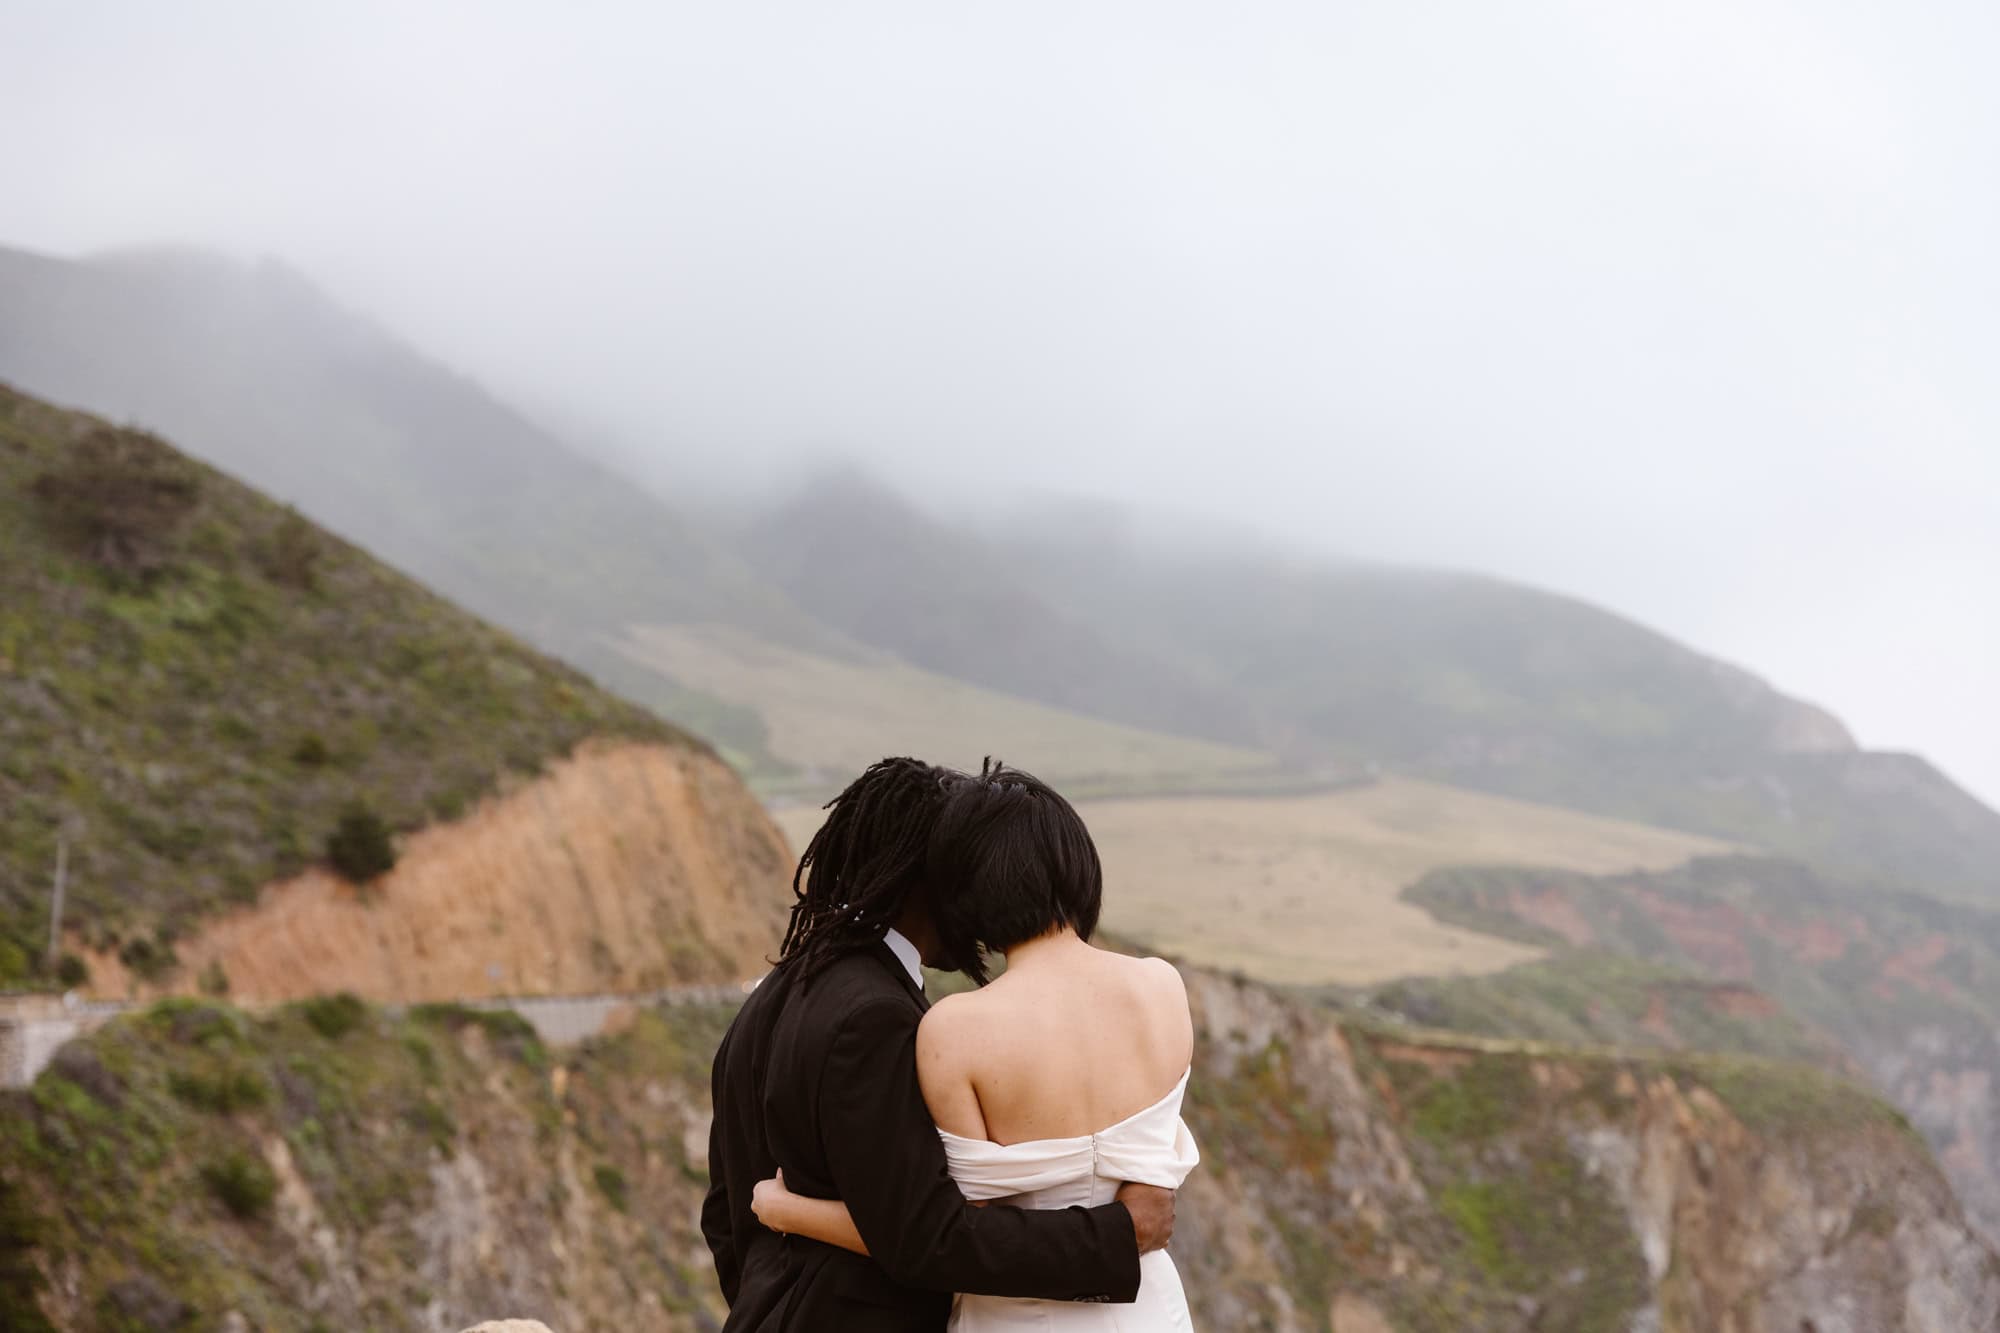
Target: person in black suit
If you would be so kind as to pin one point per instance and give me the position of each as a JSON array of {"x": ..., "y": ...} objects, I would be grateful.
[{"x": 817, "y": 1078}]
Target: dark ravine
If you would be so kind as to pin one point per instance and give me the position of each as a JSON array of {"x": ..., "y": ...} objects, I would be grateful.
[{"x": 329, "y": 1167}]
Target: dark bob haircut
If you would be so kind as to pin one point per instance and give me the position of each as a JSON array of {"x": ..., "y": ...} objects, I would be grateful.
[{"x": 1009, "y": 860}]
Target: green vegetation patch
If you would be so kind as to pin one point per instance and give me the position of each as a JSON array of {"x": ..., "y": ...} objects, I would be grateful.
[
  {"x": 1780, "y": 1099},
  {"x": 1585, "y": 997},
  {"x": 148, "y": 1157},
  {"x": 1470, "y": 1101},
  {"x": 1545, "y": 1229},
  {"x": 334, "y": 1016},
  {"x": 244, "y": 1185},
  {"x": 203, "y": 692},
  {"x": 1265, "y": 1111},
  {"x": 509, "y": 1033}
]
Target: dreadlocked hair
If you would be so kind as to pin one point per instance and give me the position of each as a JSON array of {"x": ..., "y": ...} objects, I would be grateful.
[{"x": 859, "y": 869}]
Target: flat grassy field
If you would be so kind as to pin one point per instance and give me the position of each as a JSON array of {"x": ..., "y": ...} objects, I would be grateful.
[
  {"x": 1304, "y": 890},
  {"x": 832, "y": 718}
]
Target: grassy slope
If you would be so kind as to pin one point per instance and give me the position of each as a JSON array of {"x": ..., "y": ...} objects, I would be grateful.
[
  {"x": 254, "y": 371},
  {"x": 830, "y": 717},
  {"x": 204, "y": 727},
  {"x": 1590, "y": 997},
  {"x": 1304, "y": 889}
]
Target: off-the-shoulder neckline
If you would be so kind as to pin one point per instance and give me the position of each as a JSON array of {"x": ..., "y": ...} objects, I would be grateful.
[{"x": 1171, "y": 1093}]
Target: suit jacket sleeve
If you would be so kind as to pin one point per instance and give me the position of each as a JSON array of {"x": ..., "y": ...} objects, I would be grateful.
[
  {"x": 889, "y": 1167},
  {"x": 716, "y": 1226}
]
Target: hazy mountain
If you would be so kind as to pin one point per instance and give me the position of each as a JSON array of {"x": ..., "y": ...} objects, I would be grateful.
[
  {"x": 1346, "y": 664},
  {"x": 255, "y": 371},
  {"x": 874, "y": 566},
  {"x": 1332, "y": 666}
]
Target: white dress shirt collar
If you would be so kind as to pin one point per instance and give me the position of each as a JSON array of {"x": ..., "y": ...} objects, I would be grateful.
[{"x": 906, "y": 954}]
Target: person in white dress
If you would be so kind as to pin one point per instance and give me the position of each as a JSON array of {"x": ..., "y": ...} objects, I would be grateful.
[{"x": 1060, "y": 1079}]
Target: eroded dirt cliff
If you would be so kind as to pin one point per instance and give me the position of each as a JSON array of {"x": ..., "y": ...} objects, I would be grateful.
[{"x": 623, "y": 867}]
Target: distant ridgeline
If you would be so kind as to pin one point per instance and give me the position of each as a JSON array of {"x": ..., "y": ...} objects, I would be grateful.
[
  {"x": 1460, "y": 678},
  {"x": 202, "y": 692}
]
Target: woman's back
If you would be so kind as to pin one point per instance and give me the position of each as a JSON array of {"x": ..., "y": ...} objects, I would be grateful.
[
  {"x": 1069, "y": 1041},
  {"x": 1050, "y": 1087}
]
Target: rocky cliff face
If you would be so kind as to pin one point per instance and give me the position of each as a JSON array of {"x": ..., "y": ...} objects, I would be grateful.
[
  {"x": 328, "y": 1166},
  {"x": 625, "y": 867},
  {"x": 1359, "y": 1182},
  {"x": 1904, "y": 991}
]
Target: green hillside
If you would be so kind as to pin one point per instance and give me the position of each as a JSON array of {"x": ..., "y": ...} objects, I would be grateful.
[
  {"x": 203, "y": 687},
  {"x": 253, "y": 370},
  {"x": 1347, "y": 667}
]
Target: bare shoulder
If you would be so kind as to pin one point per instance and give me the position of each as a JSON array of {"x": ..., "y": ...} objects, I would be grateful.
[
  {"x": 949, "y": 1024},
  {"x": 951, "y": 1011},
  {"x": 1165, "y": 975},
  {"x": 948, "y": 1046},
  {"x": 1160, "y": 978}
]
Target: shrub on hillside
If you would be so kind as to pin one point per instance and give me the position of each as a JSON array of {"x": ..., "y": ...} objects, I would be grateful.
[
  {"x": 289, "y": 553},
  {"x": 120, "y": 497},
  {"x": 150, "y": 957},
  {"x": 334, "y": 1016},
  {"x": 611, "y": 1184},
  {"x": 360, "y": 846},
  {"x": 225, "y": 1090},
  {"x": 243, "y": 1184},
  {"x": 72, "y": 971},
  {"x": 311, "y": 751}
]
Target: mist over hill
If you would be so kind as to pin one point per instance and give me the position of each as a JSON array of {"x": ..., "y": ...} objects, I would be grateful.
[
  {"x": 260, "y": 374},
  {"x": 1334, "y": 667},
  {"x": 1352, "y": 666}
]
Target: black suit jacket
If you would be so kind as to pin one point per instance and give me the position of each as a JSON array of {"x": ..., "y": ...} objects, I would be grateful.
[{"x": 821, "y": 1080}]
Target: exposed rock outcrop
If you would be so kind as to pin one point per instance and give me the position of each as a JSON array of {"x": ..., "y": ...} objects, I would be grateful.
[{"x": 424, "y": 1172}]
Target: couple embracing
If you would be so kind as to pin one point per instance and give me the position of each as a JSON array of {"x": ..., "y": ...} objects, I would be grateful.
[{"x": 860, "y": 1132}]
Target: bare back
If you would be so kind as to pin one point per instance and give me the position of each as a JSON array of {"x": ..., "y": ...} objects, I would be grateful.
[{"x": 1069, "y": 1041}]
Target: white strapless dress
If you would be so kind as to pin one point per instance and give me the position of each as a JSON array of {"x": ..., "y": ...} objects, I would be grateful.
[{"x": 1153, "y": 1147}]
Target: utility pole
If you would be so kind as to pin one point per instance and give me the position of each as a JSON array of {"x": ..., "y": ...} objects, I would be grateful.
[{"x": 56, "y": 899}]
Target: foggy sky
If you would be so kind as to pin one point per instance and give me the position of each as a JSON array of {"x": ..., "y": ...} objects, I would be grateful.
[{"x": 1689, "y": 309}]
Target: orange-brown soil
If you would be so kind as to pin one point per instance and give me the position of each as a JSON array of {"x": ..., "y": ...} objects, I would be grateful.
[{"x": 623, "y": 867}]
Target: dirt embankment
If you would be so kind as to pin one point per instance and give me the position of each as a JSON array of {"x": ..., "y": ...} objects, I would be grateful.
[{"x": 624, "y": 867}]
